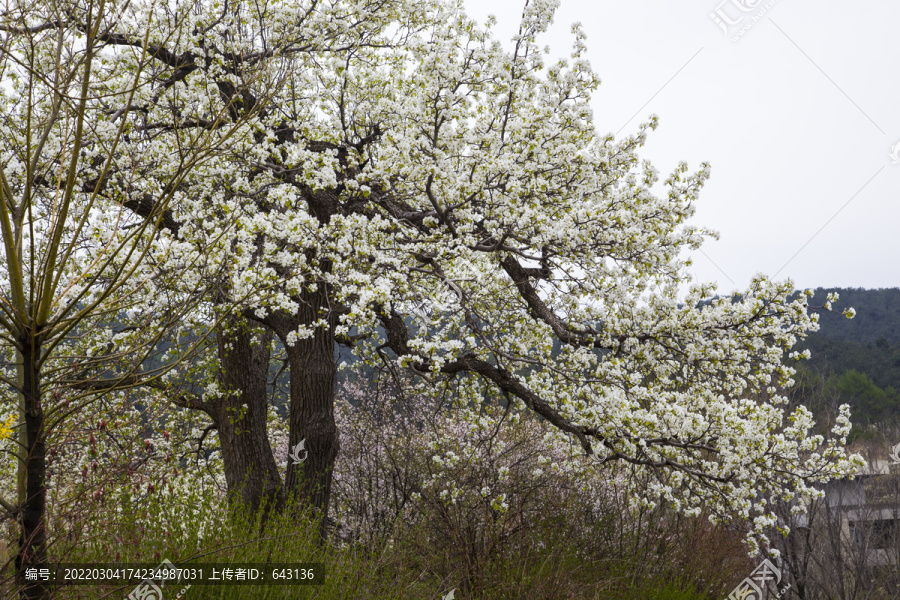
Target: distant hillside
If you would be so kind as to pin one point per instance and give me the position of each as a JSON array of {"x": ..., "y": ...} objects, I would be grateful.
[
  {"x": 877, "y": 314},
  {"x": 857, "y": 360}
]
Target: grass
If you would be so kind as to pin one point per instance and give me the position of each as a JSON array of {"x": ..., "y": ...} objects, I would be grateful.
[
  {"x": 540, "y": 555},
  {"x": 199, "y": 532},
  {"x": 410, "y": 567}
]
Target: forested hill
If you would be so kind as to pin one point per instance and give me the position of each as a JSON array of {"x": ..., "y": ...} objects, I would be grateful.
[
  {"x": 869, "y": 343},
  {"x": 857, "y": 360},
  {"x": 877, "y": 314}
]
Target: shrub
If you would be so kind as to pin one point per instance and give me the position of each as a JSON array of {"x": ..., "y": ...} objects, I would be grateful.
[{"x": 498, "y": 505}]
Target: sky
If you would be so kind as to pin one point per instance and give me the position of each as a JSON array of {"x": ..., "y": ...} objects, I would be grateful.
[{"x": 794, "y": 103}]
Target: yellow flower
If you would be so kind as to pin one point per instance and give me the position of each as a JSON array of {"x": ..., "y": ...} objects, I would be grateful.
[{"x": 6, "y": 428}]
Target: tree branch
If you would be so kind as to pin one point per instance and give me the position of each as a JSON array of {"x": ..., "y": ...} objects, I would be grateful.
[{"x": 181, "y": 399}]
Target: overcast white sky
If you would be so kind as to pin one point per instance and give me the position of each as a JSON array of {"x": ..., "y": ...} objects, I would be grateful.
[{"x": 798, "y": 118}]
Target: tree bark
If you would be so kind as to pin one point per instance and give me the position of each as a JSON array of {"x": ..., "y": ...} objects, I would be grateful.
[
  {"x": 241, "y": 416},
  {"x": 32, "y": 552},
  {"x": 312, "y": 387}
]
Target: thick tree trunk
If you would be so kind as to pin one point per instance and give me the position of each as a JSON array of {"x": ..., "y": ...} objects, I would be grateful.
[
  {"x": 241, "y": 416},
  {"x": 312, "y": 386},
  {"x": 33, "y": 530}
]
